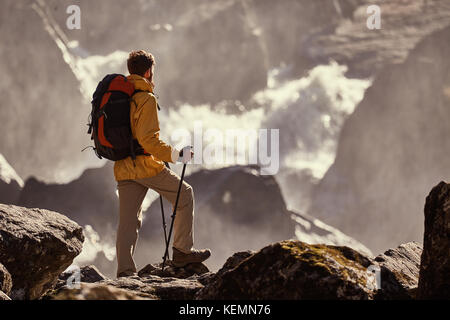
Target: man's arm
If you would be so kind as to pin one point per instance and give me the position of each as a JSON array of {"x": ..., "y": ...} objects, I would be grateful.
[{"x": 147, "y": 133}]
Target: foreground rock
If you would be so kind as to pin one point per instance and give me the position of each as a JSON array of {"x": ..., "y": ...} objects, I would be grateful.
[
  {"x": 166, "y": 288},
  {"x": 190, "y": 270},
  {"x": 284, "y": 270},
  {"x": 87, "y": 274},
  {"x": 91, "y": 291},
  {"x": 5, "y": 280},
  {"x": 399, "y": 272},
  {"x": 295, "y": 270},
  {"x": 36, "y": 245},
  {"x": 434, "y": 279}
]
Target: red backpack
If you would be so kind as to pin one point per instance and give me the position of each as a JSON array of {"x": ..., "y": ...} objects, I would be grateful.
[{"x": 109, "y": 125}]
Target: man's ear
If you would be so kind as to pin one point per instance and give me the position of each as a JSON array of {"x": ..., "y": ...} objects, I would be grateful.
[{"x": 147, "y": 74}]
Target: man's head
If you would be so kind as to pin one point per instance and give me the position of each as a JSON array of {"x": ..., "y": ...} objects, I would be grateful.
[{"x": 141, "y": 63}]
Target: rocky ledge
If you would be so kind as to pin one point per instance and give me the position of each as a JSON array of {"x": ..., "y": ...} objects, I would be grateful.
[{"x": 37, "y": 246}]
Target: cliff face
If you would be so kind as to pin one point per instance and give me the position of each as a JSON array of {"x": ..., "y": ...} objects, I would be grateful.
[
  {"x": 392, "y": 150},
  {"x": 367, "y": 51},
  {"x": 40, "y": 97}
]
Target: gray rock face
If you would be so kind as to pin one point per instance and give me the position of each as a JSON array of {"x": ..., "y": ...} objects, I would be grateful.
[
  {"x": 367, "y": 51},
  {"x": 295, "y": 270},
  {"x": 397, "y": 137},
  {"x": 36, "y": 245},
  {"x": 399, "y": 272},
  {"x": 39, "y": 100},
  {"x": 434, "y": 279},
  {"x": 5, "y": 280}
]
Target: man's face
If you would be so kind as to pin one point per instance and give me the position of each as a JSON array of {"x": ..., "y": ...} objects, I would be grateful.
[{"x": 150, "y": 77}]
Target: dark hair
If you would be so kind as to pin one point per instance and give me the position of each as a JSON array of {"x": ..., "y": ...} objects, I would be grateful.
[{"x": 139, "y": 61}]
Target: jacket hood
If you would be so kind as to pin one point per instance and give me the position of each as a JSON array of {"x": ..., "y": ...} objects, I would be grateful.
[{"x": 140, "y": 83}]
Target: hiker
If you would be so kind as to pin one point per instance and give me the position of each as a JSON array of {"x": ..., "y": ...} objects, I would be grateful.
[{"x": 135, "y": 176}]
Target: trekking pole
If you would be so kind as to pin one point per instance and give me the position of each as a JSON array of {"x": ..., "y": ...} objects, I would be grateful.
[
  {"x": 163, "y": 215},
  {"x": 173, "y": 217}
]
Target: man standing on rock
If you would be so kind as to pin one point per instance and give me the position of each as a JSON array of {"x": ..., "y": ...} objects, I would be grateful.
[{"x": 148, "y": 171}]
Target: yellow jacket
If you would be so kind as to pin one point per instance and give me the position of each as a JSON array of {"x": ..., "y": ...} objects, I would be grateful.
[{"x": 145, "y": 128}]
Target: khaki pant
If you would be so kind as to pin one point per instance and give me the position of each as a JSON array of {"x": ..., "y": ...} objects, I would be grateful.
[{"x": 131, "y": 196}]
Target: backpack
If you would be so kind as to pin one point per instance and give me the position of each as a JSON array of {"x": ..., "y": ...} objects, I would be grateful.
[{"x": 109, "y": 125}]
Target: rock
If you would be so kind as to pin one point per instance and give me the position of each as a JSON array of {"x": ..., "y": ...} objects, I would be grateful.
[
  {"x": 78, "y": 199},
  {"x": 88, "y": 274},
  {"x": 5, "y": 280},
  {"x": 399, "y": 272},
  {"x": 434, "y": 279},
  {"x": 3, "y": 296},
  {"x": 96, "y": 291},
  {"x": 36, "y": 245},
  {"x": 374, "y": 191},
  {"x": 163, "y": 288},
  {"x": 233, "y": 261},
  {"x": 171, "y": 271},
  {"x": 295, "y": 270}
]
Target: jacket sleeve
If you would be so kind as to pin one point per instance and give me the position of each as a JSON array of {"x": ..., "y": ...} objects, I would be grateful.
[{"x": 147, "y": 132}]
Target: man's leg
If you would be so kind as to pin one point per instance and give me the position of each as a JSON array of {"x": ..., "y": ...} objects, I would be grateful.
[
  {"x": 131, "y": 196},
  {"x": 166, "y": 183}
]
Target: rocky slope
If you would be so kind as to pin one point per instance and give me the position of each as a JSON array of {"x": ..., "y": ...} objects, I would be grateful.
[
  {"x": 391, "y": 151},
  {"x": 280, "y": 270}
]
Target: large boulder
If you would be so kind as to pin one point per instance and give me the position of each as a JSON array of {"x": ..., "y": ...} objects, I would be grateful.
[
  {"x": 36, "y": 245},
  {"x": 434, "y": 279},
  {"x": 295, "y": 270},
  {"x": 399, "y": 272},
  {"x": 5, "y": 280}
]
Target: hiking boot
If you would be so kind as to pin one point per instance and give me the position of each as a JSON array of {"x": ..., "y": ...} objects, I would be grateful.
[{"x": 181, "y": 259}]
